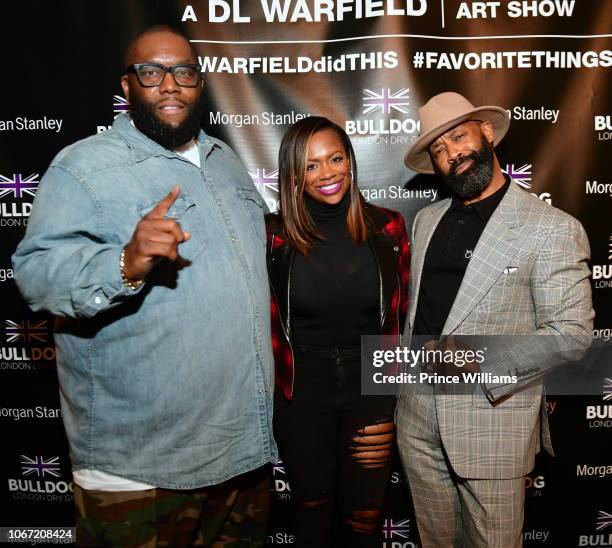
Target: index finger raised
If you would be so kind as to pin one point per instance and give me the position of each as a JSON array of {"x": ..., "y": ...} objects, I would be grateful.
[{"x": 162, "y": 207}]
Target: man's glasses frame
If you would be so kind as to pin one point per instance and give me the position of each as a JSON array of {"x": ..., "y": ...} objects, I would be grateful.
[{"x": 136, "y": 67}]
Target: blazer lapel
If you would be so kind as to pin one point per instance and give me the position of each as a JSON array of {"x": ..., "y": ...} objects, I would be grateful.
[
  {"x": 428, "y": 221},
  {"x": 495, "y": 250}
]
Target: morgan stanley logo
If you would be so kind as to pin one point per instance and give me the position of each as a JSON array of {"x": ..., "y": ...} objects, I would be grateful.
[
  {"x": 522, "y": 175},
  {"x": 40, "y": 466},
  {"x": 120, "y": 104},
  {"x": 392, "y": 529},
  {"x": 265, "y": 180},
  {"x": 604, "y": 520},
  {"x": 26, "y": 331},
  {"x": 17, "y": 186},
  {"x": 385, "y": 101},
  {"x": 607, "y": 389}
]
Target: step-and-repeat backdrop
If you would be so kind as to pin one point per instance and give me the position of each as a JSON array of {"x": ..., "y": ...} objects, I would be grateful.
[{"x": 368, "y": 65}]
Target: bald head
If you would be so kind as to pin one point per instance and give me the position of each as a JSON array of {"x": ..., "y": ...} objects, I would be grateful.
[{"x": 155, "y": 38}]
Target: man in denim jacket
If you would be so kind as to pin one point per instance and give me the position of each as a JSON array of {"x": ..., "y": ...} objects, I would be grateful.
[{"x": 147, "y": 243}]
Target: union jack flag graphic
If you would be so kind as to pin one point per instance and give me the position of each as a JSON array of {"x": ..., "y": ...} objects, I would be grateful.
[
  {"x": 604, "y": 520},
  {"x": 385, "y": 101},
  {"x": 610, "y": 248},
  {"x": 607, "y": 389},
  {"x": 40, "y": 466},
  {"x": 18, "y": 186},
  {"x": 26, "y": 331},
  {"x": 279, "y": 468},
  {"x": 265, "y": 180},
  {"x": 391, "y": 528},
  {"x": 522, "y": 175},
  {"x": 120, "y": 104}
]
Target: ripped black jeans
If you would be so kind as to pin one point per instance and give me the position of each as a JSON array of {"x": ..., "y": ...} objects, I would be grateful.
[{"x": 336, "y": 446}]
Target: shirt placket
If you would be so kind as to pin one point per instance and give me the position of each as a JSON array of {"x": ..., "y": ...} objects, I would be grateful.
[{"x": 263, "y": 397}]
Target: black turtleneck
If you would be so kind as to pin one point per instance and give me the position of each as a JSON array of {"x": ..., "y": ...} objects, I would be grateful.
[{"x": 335, "y": 291}]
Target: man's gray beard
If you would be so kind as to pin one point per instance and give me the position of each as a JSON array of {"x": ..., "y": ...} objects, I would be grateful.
[{"x": 477, "y": 177}]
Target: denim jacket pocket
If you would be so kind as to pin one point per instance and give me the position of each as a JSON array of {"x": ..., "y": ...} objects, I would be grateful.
[
  {"x": 254, "y": 204},
  {"x": 185, "y": 212}
]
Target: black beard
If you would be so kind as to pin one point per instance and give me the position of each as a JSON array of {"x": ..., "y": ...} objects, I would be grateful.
[
  {"x": 146, "y": 120},
  {"x": 476, "y": 178}
]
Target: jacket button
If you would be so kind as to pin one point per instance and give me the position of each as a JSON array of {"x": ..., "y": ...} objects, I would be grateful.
[{"x": 395, "y": 248}]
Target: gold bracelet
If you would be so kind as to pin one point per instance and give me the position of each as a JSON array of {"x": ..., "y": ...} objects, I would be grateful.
[{"x": 127, "y": 283}]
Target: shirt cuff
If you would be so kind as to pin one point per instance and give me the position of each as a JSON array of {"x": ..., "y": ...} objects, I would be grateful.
[{"x": 112, "y": 290}]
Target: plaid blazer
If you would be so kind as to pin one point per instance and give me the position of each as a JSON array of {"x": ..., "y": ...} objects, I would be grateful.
[
  {"x": 528, "y": 278},
  {"x": 388, "y": 241}
]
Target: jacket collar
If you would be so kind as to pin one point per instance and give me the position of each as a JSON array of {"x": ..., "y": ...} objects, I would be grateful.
[
  {"x": 377, "y": 216},
  {"x": 142, "y": 147}
]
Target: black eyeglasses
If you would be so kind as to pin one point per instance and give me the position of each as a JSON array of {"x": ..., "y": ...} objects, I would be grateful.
[{"x": 151, "y": 75}]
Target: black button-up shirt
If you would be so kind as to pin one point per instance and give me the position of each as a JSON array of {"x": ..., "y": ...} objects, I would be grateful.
[{"x": 448, "y": 254}]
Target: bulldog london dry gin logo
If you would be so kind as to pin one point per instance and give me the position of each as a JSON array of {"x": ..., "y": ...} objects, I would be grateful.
[
  {"x": 600, "y": 416},
  {"x": 602, "y": 273},
  {"x": 40, "y": 467},
  {"x": 396, "y": 529},
  {"x": 385, "y": 101},
  {"x": 384, "y": 118},
  {"x": 523, "y": 176},
  {"x": 396, "y": 534},
  {"x": 607, "y": 390},
  {"x": 17, "y": 187},
  {"x": 266, "y": 183},
  {"x": 120, "y": 104},
  {"x": 41, "y": 480},
  {"x": 26, "y": 331},
  {"x": 604, "y": 520},
  {"x": 603, "y": 528},
  {"x": 603, "y": 127},
  {"x": 281, "y": 483},
  {"x": 26, "y": 347}
]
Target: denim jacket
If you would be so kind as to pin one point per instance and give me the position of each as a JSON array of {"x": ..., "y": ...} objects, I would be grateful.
[{"x": 169, "y": 384}]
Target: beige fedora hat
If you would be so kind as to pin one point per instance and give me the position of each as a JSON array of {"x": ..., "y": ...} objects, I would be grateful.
[{"x": 443, "y": 112}]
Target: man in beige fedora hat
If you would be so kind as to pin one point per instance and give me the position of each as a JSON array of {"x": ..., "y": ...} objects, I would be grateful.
[{"x": 490, "y": 260}]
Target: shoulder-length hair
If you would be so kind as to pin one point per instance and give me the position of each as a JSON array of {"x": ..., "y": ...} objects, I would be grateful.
[{"x": 298, "y": 226}]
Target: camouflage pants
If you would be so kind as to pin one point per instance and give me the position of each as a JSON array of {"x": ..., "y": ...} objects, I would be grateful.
[{"x": 233, "y": 514}]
